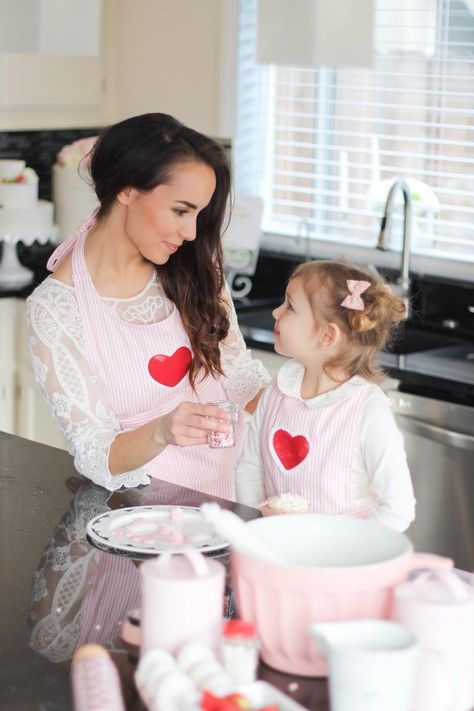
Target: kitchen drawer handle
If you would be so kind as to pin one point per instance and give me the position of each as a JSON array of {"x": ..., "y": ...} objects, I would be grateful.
[{"x": 438, "y": 434}]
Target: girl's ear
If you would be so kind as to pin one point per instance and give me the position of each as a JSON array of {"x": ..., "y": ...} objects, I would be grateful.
[
  {"x": 125, "y": 196},
  {"x": 330, "y": 335}
]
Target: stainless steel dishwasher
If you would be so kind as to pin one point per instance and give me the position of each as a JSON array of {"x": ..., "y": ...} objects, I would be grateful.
[{"x": 439, "y": 440}]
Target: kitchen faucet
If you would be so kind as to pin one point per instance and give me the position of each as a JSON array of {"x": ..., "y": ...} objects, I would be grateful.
[
  {"x": 304, "y": 234},
  {"x": 402, "y": 288}
]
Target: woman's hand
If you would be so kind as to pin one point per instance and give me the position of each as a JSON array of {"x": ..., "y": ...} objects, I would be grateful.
[{"x": 189, "y": 424}]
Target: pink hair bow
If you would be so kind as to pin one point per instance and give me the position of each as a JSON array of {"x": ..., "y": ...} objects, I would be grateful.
[{"x": 353, "y": 299}]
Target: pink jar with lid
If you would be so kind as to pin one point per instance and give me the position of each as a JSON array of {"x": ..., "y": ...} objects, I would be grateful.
[{"x": 182, "y": 601}]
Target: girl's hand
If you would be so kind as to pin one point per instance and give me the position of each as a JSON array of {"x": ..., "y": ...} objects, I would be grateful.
[{"x": 189, "y": 424}]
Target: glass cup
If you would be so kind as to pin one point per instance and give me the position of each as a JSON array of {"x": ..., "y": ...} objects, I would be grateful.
[{"x": 220, "y": 440}]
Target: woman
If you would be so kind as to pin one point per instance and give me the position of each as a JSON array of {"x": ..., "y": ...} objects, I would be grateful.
[{"x": 135, "y": 334}]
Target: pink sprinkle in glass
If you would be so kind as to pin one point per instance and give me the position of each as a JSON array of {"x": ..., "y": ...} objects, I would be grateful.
[{"x": 219, "y": 440}]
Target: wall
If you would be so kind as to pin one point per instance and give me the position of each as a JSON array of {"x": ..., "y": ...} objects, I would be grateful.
[
  {"x": 168, "y": 59},
  {"x": 158, "y": 55}
]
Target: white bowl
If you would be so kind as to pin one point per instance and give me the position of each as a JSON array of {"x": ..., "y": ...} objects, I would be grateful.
[
  {"x": 10, "y": 169},
  {"x": 316, "y": 541}
]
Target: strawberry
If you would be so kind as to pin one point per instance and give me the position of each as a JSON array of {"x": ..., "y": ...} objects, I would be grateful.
[{"x": 210, "y": 702}]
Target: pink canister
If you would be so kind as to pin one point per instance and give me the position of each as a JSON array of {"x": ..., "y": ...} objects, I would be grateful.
[
  {"x": 438, "y": 606},
  {"x": 182, "y": 600}
]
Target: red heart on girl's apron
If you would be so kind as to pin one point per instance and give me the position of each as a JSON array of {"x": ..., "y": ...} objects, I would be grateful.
[
  {"x": 290, "y": 450},
  {"x": 170, "y": 370}
]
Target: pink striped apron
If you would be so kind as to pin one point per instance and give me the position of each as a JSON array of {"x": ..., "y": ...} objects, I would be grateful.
[
  {"x": 310, "y": 452},
  {"x": 142, "y": 373},
  {"x": 119, "y": 353},
  {"x": 114, "y": 592}
]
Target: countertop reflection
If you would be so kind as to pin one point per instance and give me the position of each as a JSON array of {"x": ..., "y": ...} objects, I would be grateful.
[{"x": 58, "y": 591}]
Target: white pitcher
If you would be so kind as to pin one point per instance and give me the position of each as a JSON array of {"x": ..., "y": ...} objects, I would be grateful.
[
  {"x": 438, "y": 606},
  {"x": 372, "y": 664}
]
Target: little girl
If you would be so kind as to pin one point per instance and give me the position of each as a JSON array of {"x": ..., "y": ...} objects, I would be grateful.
[{"x": 323, "y": 429}]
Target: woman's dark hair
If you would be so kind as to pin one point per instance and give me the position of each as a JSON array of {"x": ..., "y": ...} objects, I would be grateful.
[{"x": 141, "y": 153}]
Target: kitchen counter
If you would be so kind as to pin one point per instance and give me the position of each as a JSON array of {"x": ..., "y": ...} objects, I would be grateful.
[{"x": 43, "y": 501}]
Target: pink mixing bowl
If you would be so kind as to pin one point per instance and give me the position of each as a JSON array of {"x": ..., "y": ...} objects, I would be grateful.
[{"x": 337, "y": 569}]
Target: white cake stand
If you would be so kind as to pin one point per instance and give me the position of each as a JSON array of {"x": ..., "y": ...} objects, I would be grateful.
[{"x": 13, "y": 275}]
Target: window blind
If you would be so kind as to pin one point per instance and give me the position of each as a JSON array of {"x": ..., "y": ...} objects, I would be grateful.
[{"x": 321, "y": 146}]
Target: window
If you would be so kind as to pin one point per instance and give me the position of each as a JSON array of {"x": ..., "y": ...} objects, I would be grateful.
[{"x": 322, "y": 145}]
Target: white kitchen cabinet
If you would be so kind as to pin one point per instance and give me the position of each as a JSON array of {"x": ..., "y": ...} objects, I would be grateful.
[
  {"x": 33, "y": 418},
  {"x": 23, "y": 410},
  {"x": 51, "y": 55},
  {"x": 8, "y": 316},
  {"x": 49, "y": 82}
]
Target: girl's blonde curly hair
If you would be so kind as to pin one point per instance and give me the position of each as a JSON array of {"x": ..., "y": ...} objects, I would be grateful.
[{"x": 366, "y": 332}]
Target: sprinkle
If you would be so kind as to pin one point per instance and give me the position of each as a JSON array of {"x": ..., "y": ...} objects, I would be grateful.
[{"x": 219, "y": 440}]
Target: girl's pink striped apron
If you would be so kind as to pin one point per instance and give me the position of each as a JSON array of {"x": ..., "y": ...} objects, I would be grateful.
[
  {"x": 310, "y": 452},
  {"x": 142, "y": 373}
]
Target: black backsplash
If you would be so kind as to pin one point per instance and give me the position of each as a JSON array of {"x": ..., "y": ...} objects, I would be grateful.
[{"x": 39, "y": 148}]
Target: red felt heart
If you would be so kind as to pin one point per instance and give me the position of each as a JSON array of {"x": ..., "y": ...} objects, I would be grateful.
[
  {"x": 290, "y": 450},
  {"x": 170, "y": 370}
]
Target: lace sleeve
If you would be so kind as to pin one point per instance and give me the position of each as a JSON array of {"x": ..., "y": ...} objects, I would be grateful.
[
  {"x": 64, "y": 576},
  {"x": 60, "y": 368},
  {"x": 245, "y": 375}
]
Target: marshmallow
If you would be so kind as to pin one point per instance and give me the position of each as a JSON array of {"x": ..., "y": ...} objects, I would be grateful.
[{"x": 193, "y": 653}]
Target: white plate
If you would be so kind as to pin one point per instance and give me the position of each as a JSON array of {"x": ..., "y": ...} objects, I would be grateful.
[
  {"x": 259, "y": 694},
  {"x": 100, "y": 531}
]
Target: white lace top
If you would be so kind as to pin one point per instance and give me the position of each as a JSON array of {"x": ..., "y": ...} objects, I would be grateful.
[{"x": 62, "y": 370}]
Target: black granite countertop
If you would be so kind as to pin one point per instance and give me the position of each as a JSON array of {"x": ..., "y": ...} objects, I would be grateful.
[{"x": 43, "y": 503}]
